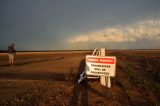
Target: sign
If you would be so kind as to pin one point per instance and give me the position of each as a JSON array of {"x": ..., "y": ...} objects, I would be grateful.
[{"x": 101, "y": 65}]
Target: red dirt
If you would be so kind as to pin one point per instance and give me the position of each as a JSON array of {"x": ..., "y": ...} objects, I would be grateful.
[{"x": 49, "y": 79}]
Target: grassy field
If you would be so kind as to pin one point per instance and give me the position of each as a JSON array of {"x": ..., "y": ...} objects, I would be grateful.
[{"x": 48, "y": 79}]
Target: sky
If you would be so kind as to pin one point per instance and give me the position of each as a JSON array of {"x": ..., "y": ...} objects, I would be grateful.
[{"x": 80, "y": 24}]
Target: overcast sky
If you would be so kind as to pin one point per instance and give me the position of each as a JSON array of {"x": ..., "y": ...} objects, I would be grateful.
[{"x": 80, "y": 24}]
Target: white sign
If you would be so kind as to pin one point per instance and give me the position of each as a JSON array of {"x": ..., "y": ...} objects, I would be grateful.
[{"x": 101, "y": 65}]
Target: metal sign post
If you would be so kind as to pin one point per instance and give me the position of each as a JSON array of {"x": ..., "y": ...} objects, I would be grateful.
[
  {"x": 100, "y": 65},
  {"x": 103, "y": 66}
]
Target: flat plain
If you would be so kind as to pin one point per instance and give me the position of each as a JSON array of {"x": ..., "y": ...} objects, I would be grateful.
[{"x": 50, "y": 79}]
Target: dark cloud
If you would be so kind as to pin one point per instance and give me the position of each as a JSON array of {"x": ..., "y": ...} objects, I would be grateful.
[{"x": 46, "y": 24}]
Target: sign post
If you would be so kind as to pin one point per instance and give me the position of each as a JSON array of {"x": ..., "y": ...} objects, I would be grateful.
[{"x": 103, "y": 66}]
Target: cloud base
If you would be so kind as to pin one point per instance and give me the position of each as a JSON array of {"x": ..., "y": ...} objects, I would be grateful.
[{"x": 146, "y": 30}]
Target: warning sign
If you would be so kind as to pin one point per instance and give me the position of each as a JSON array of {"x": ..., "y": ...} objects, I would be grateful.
[{"x": 100, "y": 65}]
